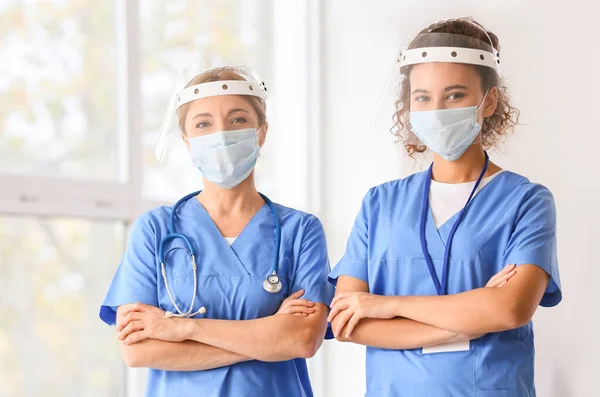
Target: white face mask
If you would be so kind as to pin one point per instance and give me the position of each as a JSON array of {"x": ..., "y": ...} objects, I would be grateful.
[
  {"x": 447, "y": 132},
  {"x": 226, "y": 158}
]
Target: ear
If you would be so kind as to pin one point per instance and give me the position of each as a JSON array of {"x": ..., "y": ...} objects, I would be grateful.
[
  {"x": 491, "y": 102},
  {"x": 186, "y": 141},
  {"x": 262, "y": 134}
]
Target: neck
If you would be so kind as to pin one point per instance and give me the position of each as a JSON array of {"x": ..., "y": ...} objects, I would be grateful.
[
  {"x": 241, "y": 199},
  {"x": 466, "y": 169}
]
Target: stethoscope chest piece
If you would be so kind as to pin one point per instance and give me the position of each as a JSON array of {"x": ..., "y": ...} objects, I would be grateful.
[{"x": 272, "y": 284}]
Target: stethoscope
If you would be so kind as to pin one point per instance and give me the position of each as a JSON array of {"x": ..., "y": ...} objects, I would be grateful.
[
  {"x": 442, "y": 288},
  {"x": 272, "y": 283}
]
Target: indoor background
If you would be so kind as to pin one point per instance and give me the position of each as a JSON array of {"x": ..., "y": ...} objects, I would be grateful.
[{"x": 83, "y": 89}]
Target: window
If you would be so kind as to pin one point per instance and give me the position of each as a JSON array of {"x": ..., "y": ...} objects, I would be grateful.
[
  {"x": 54, "y": 276},
  {"x": 58, "y": 98}
]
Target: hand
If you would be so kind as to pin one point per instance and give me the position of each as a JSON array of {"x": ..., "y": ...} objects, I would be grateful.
[
  {"x": 138, "y": 321},
  {"x": 296, "y": 306},
  {"x": 502, "y": 277},
  {"x": 348, "y": 308}
]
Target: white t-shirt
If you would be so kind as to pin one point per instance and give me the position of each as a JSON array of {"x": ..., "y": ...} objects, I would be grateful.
[
  {"x": 446, "y": 199},
  {"x": 230, "y": 240}
]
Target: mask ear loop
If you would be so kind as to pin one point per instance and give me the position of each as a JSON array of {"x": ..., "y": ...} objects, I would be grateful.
[
  {"x": 475, "y": 141},
  {"x": 479, "y": 107},
  {"x": 260, "y": 129},
  {"x": 483, "y": 100}
]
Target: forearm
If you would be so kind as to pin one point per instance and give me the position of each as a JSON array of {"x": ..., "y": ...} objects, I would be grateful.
[
  {"x": 178, "y": 356},
  {"x": 477, "y": 311},
  {"x": 397, "y": 333},
  {"x": 273, "y": 338}
]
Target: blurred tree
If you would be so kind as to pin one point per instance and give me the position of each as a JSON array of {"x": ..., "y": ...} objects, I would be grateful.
[
  {"x": 55, "y": 273},
  {"x": 59, "y": 92}
]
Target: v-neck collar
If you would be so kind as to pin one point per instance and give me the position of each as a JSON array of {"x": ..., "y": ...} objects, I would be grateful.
[
  {"x": 444, "y": 230},
  {"x": 232, "y": 251}
]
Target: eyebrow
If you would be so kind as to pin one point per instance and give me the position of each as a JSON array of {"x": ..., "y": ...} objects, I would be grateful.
[
  {"x": 456, "y": 87},
  {"x": 202, "y": 115},
  {"x": 449, "y": 88},
  {"x": 228, "y": 113}
]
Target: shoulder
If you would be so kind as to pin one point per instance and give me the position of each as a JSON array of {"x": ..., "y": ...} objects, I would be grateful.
[
  {"x": 522, "y": 199},
  {"x": 395, "y": 190},
  {"x": 154, "y": 220},
  {"x": 524, "y": 190},
  {"x": 399, "y": 186},
  {"x": 297, "y": 220},
  {"x": 300, "y": 229}
]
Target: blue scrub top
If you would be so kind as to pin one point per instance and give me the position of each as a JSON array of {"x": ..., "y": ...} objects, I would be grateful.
[
  {"x": 229, "y": 286},
  {"x": 511, "y": 220}
]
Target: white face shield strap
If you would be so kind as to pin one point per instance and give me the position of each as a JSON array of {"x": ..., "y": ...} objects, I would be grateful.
[
  {"x": 217, "y": 88},
  {"x": 451, "y": 53},
  {"x": 469, "y": 56}
]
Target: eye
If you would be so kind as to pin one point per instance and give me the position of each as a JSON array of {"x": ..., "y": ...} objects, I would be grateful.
[
  {"x": 203, "y": 124},
  {"x": 422, "y": 98},
  {"x": 239, "y": 120},
  {"x": 456, "y": 96}
]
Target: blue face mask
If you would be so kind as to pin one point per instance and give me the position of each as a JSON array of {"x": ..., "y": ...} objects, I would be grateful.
[
  {"x": 226, "y": 158},
  {"x": 447, "y": 132}
]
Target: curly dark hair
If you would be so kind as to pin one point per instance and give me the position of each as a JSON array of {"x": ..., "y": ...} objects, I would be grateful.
[{"x": 467, "y": 33}]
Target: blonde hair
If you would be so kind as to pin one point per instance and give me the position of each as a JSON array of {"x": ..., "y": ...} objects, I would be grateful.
[{"x": 221, "y": 74}]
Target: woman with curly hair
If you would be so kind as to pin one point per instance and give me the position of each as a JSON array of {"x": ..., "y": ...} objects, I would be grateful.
[{"x": 444, "y": 269}]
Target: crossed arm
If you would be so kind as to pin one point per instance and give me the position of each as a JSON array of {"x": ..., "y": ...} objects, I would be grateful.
[
  {"x": 152, "y": 340},
  {"x": 408, "y": 322},
  {"x": 177, "y": 356}
]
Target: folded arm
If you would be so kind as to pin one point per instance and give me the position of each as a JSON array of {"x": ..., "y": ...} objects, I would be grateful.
[
  {"x": 373, "y": 320},
  {"x": 481, "y": 310},
  {"x": 150, "y": 339},
  {"x": 392, "y": 333},
  {"x": 177, "y": 356},
  {"x": 173, "y": 356},
  {"x": 273, "y": 338},
  {"x": 398, "y": 333}
]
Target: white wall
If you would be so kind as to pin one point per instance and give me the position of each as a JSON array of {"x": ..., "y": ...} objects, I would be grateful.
[{"x": 550, "y": 61}]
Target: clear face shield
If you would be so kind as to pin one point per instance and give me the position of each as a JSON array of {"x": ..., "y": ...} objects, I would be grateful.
[
  {"x": 215, "y": 105},
  {"x": 436, "y": 94}
]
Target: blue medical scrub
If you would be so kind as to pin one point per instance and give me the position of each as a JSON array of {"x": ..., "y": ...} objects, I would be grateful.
[
  {"x": 230, "y": 286},
  {"x": 509, "y": 221}
]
